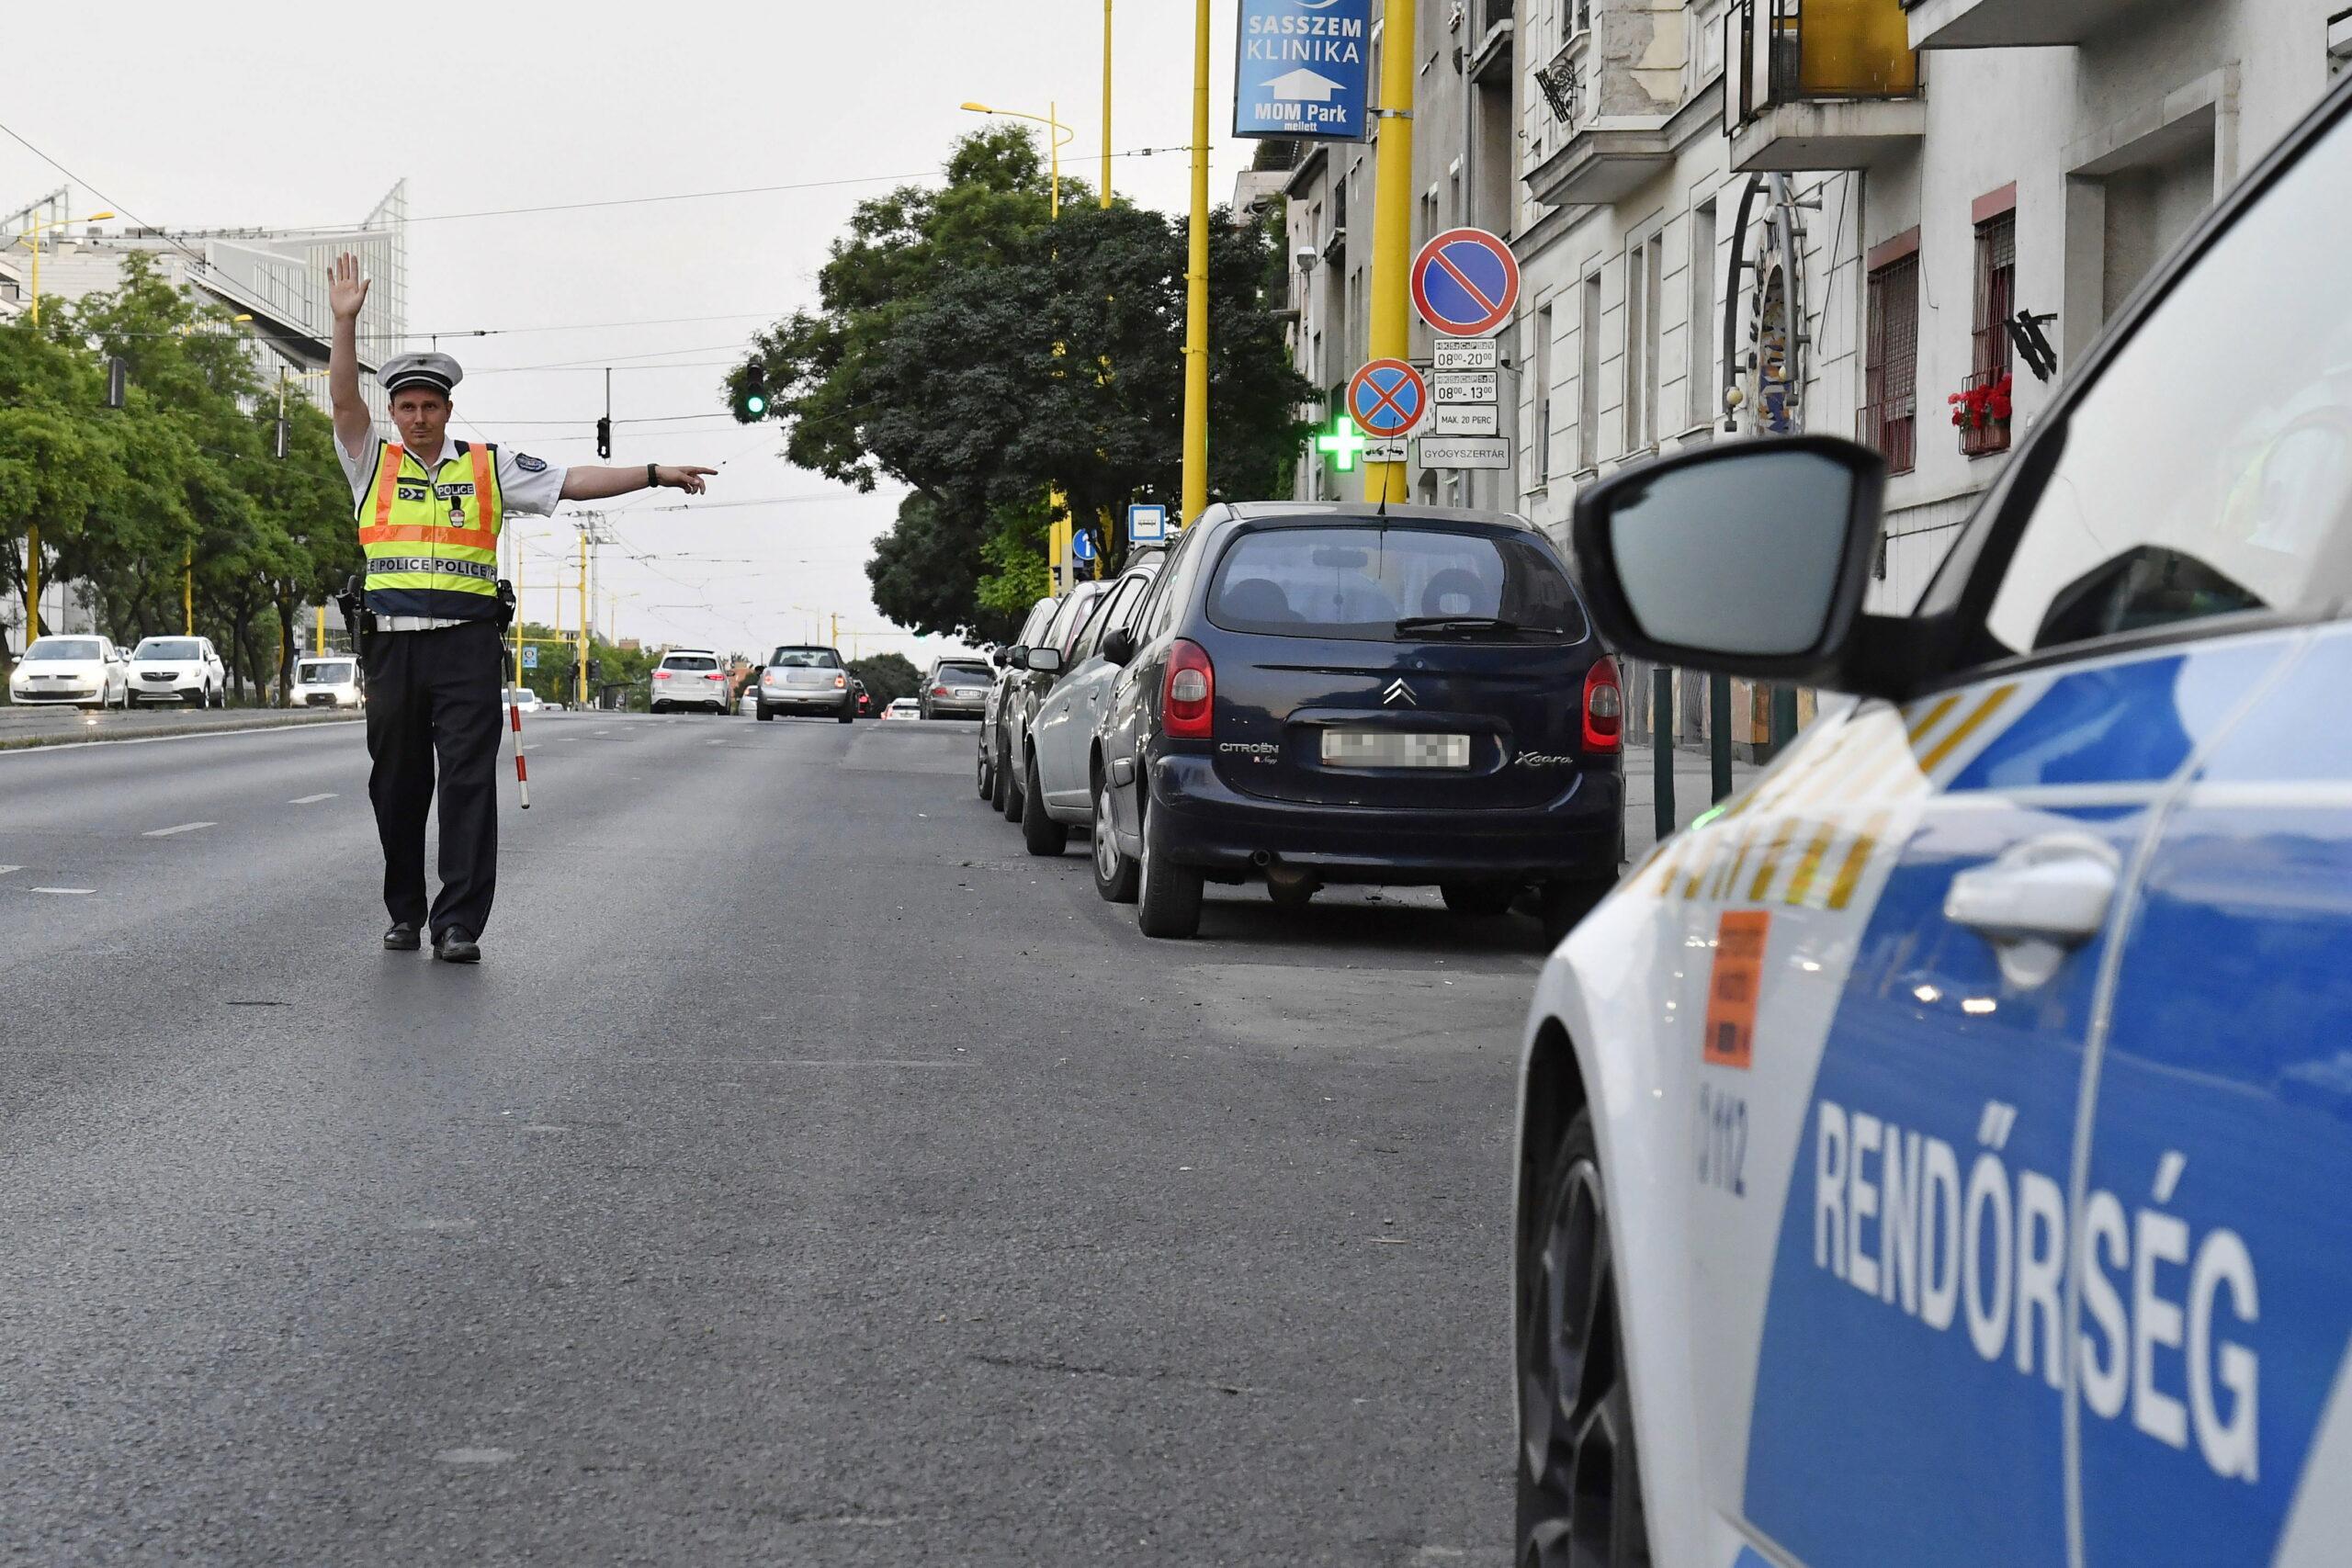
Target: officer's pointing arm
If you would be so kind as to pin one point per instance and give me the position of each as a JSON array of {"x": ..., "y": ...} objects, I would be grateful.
[
  {"x": 594, "y": 483},
  {"x": 347, "y": 291}
]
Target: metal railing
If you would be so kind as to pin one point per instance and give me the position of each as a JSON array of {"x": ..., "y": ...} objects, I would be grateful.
[{"x": 1787, "y": 51}]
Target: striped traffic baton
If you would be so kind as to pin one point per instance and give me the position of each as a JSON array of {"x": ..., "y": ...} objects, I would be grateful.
[{"x": 522, "y": 773}]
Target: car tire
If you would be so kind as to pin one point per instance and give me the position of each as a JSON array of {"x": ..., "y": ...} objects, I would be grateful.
[
  {"x": 221, "y": 697},
  {"x": 999, "y": 784},
  {"x": 1566, "y": 902},
  {"x": 1580, "y": 1472},
  {"x": 1040, "y": 834},
  {"x": 766, "y": 714},
  {"x": 1116, "y": 874},
  {"x": 1478, "y": 900},
  {"x": 1168, "y": 897},
  {"x": 848, "y": 715},
  {"x": 1016, "y": 799},
  {"x": 983, "y": 775}
]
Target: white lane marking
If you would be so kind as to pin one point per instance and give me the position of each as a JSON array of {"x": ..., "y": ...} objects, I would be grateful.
[
  {"x": 75, "y": 890},
  {"x": 310, "y": 799},
  {"x": 5, "y": 870},
  {"x": 473, "y": 1456},
  {"x": 183, "y": 828}
]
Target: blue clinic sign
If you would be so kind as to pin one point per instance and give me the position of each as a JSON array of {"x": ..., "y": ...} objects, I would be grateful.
[{"x": 1303, "y": 68}]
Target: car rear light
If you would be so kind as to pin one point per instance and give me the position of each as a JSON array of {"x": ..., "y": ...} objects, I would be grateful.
[
  {"x": 841, "y": 681},
  {"x": 716, "y": 675},
  {"x": 1604, "y": 708},
  {"x": 660, "y": 675},
  {"x": 938, "y": 691},
  {"x": 1188, "y": 693}
]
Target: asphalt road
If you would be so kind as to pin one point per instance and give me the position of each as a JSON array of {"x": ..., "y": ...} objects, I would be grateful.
[{"x": 806, "y": 1175}]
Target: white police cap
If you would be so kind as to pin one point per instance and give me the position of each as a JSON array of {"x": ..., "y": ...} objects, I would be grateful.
[{"x": 437, "y": 371}]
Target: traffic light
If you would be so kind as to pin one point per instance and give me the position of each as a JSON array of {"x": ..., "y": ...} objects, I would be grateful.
[
  {"x": 595, "y": 670},
  {"x": 751, "y": 402},
  {"x": 118, "y": 379},
  {"x": 604, "y": 436}
]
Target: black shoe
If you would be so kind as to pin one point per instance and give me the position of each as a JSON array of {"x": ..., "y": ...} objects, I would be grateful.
[
  {"x": 402, "y": 938},
  {"x": 455, "y": 945}
]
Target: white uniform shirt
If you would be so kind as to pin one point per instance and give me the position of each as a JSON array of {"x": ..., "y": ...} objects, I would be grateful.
[{"x": 526, "y": 484}]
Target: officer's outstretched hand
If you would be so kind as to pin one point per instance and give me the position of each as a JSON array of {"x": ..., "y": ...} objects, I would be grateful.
[
  {"x": 689, "y": 479},
  {"x": 346, "y": 291}
]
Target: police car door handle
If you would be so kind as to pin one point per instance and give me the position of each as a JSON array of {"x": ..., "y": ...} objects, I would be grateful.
[{"x": 2036, "y": 900}]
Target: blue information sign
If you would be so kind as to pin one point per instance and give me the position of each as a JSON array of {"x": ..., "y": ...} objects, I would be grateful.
[
  {"x": 1082, "y": 545},
  {"x": 1146, "y": 524},
  {"x": 530, "y": 658},
  {"x": 1303, "y": 68}
]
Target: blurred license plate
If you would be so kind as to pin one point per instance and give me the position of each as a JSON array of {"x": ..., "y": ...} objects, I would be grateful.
[{"x": 1393, "y": 748}]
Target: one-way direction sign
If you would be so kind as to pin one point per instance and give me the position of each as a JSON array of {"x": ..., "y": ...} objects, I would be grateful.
[{"x": 1301, "y": 69}]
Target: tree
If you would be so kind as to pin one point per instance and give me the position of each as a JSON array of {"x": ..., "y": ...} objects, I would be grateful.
[
  {"x": 981, "y": 354},
  {"x": 887, "y": 677}
]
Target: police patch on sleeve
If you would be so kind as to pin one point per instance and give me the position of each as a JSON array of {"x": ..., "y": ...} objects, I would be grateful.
[{"x": 529, "y": 464}]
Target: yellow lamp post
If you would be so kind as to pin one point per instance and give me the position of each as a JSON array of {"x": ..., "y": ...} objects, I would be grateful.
[
  {"x": 1062, "y": 136},
  {"x": 1390, "y": 325},
  {"x": 1196, "y": 282},
  {"x": 32, "y": 533},
  {"x": 34, "y": 234}
]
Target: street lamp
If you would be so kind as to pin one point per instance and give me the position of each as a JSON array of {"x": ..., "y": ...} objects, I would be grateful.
[
  {"x": 33, "y": 233},
  {"x": 1062, "y": 135}
]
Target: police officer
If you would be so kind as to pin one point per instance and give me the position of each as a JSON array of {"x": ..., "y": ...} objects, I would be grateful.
[{"x": 429, "y": 511}]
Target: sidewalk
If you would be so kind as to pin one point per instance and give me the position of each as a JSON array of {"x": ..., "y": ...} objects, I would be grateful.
[{"x": 1693, "y": 792}]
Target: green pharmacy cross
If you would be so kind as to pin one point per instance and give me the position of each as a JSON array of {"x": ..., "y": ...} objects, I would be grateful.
[{"x": 1342, "y": 443}]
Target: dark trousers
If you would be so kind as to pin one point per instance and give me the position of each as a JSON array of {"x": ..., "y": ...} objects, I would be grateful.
[{"x": 435, "y": 696}]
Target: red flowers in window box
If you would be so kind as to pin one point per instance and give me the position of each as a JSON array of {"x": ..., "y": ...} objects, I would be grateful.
[{"x": 1981, "y": 408}]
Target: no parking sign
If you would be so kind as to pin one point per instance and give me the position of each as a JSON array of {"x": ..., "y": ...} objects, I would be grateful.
[{"x": 1466, "y": 282}]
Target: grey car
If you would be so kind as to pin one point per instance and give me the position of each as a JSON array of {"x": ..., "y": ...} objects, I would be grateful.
[
  {"x": 957, "y": 688},
  {"x": 1058, "y": 772},
  {"x": 1034, "y": 669},
  {"x": 806, "y": 678}
]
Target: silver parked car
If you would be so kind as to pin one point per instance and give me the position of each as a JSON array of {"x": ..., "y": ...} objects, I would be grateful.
[
  {"x": 957, "y": 688},
  {"x": 1059, "y": 778}
]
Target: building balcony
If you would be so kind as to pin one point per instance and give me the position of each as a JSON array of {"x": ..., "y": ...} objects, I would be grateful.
[
  {"x": 1601, "y": 163},
  {"x": 2008, "y": 24},
  {"x": 1819, "y": 84}
]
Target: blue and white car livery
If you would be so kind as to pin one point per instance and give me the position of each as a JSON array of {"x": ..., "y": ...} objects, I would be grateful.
[{"x": 1938, "y": 1154}]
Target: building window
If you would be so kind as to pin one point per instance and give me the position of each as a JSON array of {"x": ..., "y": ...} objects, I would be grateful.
[
  {"x": 1890, "y": 362},
  {"x": 1989, "y": 349},
  {"x": 1701, "y": 358},
  {"x": 1589, "y": 376},
  {"x": 1645, "y": 266},
  {"x": 1543, "y": 442}
]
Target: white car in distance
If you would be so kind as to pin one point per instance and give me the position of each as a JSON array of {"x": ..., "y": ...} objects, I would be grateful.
[
  {"x": 87, "y": 672},
  {"x": 178, "y": 669},
  {"x": 524, "y": 700},
  {"x": 691, "y": 678},
  {"x": 904, "y": 707},
  {"x": 328, "y": 683}
]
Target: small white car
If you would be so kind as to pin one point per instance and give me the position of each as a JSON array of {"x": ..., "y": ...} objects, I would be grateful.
[
  {"x": 328, "y": 683},
  {"x": 691, "y": 678},
  {"x": 524, "y": 700},
  {"x": 87, "y": 672},
  {"x": 904, "y": 707},
  {"x": 178, "y": 669}
]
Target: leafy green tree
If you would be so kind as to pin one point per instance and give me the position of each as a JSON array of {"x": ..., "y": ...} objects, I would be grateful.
[
  {"x": 887, "y": 677},
  {"x": 979, "y": 352}
]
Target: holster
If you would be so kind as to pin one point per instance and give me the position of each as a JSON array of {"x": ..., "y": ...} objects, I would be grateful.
[
  {"x": 352, "y": 604},
  {"x": 505, "y": 604}
]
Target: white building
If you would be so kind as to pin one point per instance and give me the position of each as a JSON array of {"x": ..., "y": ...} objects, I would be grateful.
[{"x": 275, "y": 276}]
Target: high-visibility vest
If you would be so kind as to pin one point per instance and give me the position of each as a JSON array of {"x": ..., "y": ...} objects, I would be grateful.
[{"x": 432, "y": 538}]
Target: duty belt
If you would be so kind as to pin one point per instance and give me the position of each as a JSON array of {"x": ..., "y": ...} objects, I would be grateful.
[{"x": 384, "y": 566}]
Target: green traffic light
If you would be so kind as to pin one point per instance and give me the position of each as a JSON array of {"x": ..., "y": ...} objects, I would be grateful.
[{"x": 755, "y": 405}]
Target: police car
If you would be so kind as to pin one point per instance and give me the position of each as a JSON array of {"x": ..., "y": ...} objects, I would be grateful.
[{"x": 1939, "y": 1153}]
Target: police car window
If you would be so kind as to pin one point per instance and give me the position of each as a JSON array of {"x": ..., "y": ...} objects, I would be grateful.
[
  {"x": 2209, "y": 470},
  {"x": 1383, "y": 584}
]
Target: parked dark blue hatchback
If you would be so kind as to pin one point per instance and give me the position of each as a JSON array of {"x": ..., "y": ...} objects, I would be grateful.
[{"x": 1318, "y": 693}]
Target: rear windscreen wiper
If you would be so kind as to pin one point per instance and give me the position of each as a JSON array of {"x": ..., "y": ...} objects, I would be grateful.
[{"x": 1454, "y": 625}]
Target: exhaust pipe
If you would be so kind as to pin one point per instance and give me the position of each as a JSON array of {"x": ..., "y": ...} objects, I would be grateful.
[{"x": 1262, "y": 859}]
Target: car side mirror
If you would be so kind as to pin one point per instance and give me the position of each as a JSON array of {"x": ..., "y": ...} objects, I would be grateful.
[
  {"x": 1745, "y": 557},
  {"x": 1044, "y": 661},
  {"x": 1119, "y": 645}
]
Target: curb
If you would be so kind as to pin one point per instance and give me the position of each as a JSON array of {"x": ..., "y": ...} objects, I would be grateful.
[{"x": 291, "y": 721}]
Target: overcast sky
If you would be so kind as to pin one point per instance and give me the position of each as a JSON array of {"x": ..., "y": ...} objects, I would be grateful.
[{"x": 271, "y": 114}]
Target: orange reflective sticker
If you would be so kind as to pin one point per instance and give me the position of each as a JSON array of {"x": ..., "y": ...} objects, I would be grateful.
[{"x": 1733, "y": 984}]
